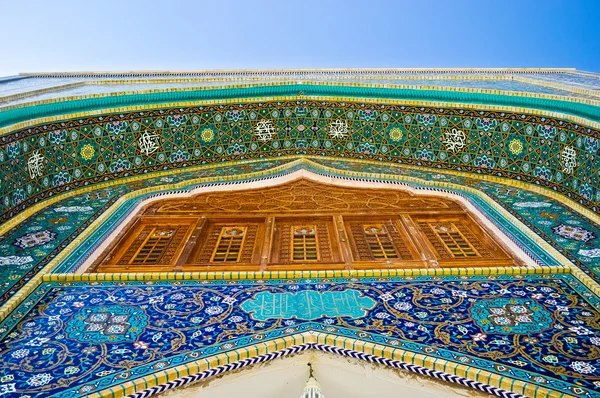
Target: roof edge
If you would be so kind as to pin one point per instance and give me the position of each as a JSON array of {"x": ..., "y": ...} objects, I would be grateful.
[{"x": 322, "y": 71}]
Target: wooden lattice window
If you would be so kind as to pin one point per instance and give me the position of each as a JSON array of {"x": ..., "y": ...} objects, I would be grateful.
[
  {"x": 154, "y": 246},
  {"x": 379, "y": 242},
  {"x": 454, "y": 241},
  {"x": 229, "y": 245},
  {"x": 304, "y": 243}
]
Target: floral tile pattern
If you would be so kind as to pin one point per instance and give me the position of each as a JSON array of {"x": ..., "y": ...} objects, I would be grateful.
[
  {"x": 69, "y": 217},
  {"x": 80, "y": 338},
  {"x": 540, "y": 213}
]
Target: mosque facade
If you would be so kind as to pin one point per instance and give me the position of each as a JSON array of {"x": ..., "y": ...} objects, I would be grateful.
[{"x": 164, "y": 230}]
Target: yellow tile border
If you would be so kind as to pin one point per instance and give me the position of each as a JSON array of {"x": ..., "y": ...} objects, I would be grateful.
[
  {"x": 432, "y": 363},
  {"x": 265, "y": 275}
]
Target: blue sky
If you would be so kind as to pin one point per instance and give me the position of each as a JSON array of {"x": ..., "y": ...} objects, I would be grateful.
[{"x": 61, "y": 35}]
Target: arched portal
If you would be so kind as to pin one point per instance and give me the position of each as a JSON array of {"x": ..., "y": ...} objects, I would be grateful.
[{"x": 255, "y": 220}]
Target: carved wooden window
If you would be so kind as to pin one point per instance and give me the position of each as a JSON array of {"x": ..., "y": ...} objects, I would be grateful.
[
  {"x": 229, "y": 245},
  {"x": 459, "y": 238},
  {"x": 454, "y": 241},
  {"x": 224, "y": 242},
  {"x": 303, "y": 240},
  {"x": 302, "y": 225},
  {"x": 154, "y": 246},
  {"x": 379, "y": 241},
  {"x": 304, "y": 243}
]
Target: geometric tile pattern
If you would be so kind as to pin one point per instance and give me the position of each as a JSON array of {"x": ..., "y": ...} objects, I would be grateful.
[
  {"x": 447, "y": 377},
  {"x": 39, "y": 162}
]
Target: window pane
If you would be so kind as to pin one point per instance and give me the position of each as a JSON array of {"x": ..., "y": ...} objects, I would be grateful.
[{"x": 229, "y": 245}]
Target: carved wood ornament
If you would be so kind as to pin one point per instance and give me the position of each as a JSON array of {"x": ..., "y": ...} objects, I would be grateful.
[{"x": 303, "y": 225}]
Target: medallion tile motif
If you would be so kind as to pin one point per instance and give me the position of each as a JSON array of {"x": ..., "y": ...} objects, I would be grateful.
[
  {"x": 103, "y": 324},
  {"x": 511, "y": 316},
  {"x": 61, "y": 347}
]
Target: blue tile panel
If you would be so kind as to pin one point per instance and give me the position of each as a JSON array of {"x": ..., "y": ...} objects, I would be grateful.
[{"x": 83, "y": 337}]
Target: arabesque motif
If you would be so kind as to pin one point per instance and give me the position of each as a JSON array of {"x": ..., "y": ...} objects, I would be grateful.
[
  {"x": 57, "y": 157},
  {"x": 72, "y": 342},
  {"x": 72, "y": 339}
]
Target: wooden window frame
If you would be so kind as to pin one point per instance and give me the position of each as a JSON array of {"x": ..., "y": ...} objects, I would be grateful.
[
  {"x": 315, "y": 239},
  {"x": 446, "y": 236},
  {"x": 201, "y": 254},
  {"x": 231, "y": 240},
  {"x": 151, "y": 251},
  {"x": 490, "y": 251},
  {"x": 112, "y": 260},
  {"x": 270, "y": 218},
  {"x": 280, "y": 251},
  {"x": 408, "y": 255},
  {"x": 375, "y": 242}
]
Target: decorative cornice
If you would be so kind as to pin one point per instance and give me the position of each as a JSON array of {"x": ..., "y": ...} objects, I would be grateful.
[
  {"x": 581, "y": 111},
  {"x": 283, "y": 72},
  {"x": 291, "y": 82},
  {"x": 200, "y": 80}
]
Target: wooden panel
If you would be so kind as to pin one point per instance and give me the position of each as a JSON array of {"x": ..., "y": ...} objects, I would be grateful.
[
  {"x": 344, "y": 228},
  {"x": 304, "y": 196},
  {"x": 152, "y": 244},
  {"x": 458, "y": 240},
  {"x": 283, "y": 247},
  {"x": 207, "y": 250},
  {"x": 365, "y": 240},
  {"x": 229, "y": 244}
]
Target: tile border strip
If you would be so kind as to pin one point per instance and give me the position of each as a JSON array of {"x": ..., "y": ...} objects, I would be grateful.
[
  {"x": 393, "y": 357},
  {"x": 253, "y": 275},
  {"x": 291, "y": 82},
  {"x": 536, "y": 82},
  {"x": 268, "y": 95},
  {"x": 447, "y": 377}
]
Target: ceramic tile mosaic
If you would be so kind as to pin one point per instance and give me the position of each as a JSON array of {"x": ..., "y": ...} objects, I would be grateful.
[
  {"x": 64, "y": 221},
  {"x": 40, "y": 162},
  {"x": 81, "y": 338},
  {"x": 28, "y": 247},
  {"x": 574, "y": 235},
  {"x": 519, "y": 334}
]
